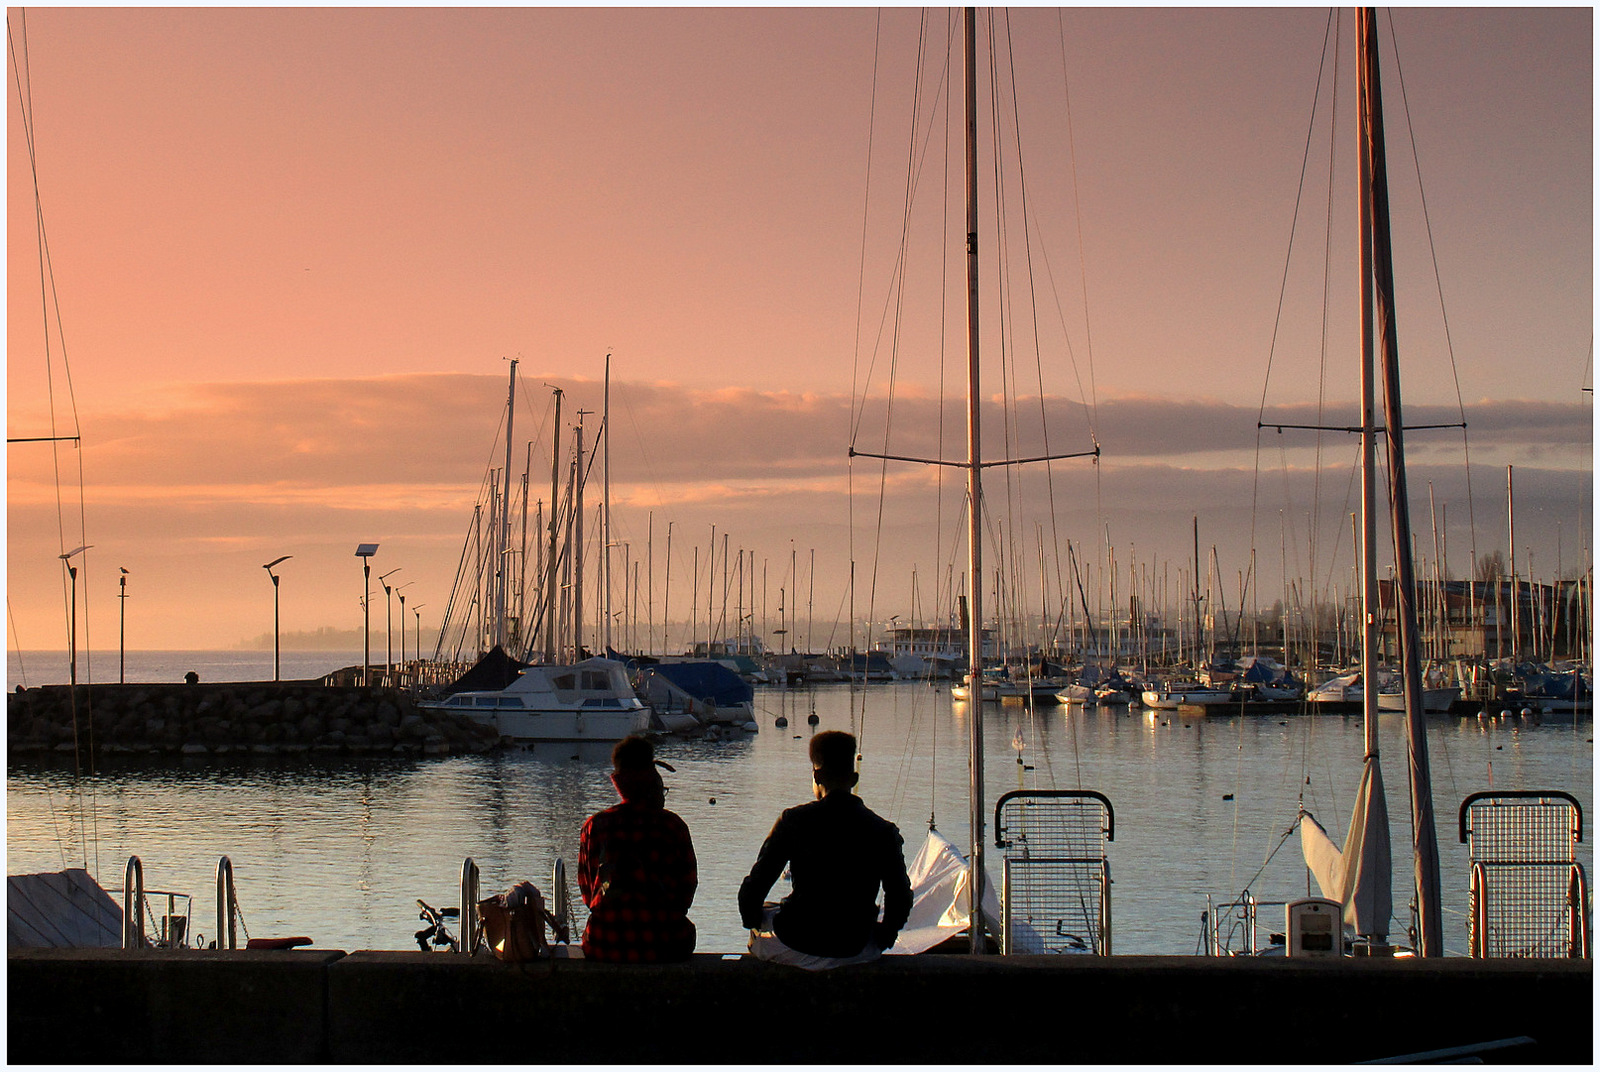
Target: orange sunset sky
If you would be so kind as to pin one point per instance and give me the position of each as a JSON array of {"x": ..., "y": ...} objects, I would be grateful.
[{"x": 290, "y": 250}]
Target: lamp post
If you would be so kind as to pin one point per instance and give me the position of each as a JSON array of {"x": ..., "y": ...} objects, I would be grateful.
[
  {"x": 276, "y": 653},
  {"x": 388, "y": 617},
  {"x": 417, "y": 610},
  {"x": 122, "y": 627},
  {"x": 365, "y": 552},
  {"x": 399, "y": 590},
  {"x": 72, "y": 643}
]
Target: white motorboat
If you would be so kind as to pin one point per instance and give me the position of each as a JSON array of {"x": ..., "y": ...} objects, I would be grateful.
[
  {"x": 1174, "y": 694},
  {"x": 1434, "y": 701},
  {"x": 587, "y": 701}
]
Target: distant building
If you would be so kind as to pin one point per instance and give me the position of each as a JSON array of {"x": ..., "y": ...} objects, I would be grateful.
[{"x": 1494, "y": 619}]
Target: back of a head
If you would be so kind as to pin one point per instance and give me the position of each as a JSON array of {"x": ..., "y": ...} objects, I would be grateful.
[
  {"x": 833, "y": 754},
  {"x": 633, "y": 754}
]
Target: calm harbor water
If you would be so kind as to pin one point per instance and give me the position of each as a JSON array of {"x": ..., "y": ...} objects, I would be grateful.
[{"x": 340, "y": 850}]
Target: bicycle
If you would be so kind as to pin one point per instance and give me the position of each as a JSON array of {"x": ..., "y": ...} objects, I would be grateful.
[{"x": 435, "y": 934}]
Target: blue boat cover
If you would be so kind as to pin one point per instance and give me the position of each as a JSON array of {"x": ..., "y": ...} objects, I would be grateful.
[{"x": 708, "y": 681}]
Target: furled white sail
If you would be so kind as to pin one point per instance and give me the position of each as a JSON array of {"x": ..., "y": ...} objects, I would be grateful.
[
  {"x": 939, "y": 900},
  {"x": 1359, "y": 876}
]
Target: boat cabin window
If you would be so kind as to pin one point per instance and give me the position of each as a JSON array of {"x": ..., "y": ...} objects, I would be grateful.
[
  {"x": 596, "y": 680},
  {"x": 565, "y": 681}
]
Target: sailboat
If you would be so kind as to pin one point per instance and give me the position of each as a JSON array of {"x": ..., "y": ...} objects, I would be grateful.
[
  {"x": 939, "y": 857},
  {"x": 1359, "y": 876},
  {"x": 573, "y": 699}
]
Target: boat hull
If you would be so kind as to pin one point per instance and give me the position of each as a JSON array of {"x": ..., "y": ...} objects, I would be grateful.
[{"x": 1433, "y": 700}]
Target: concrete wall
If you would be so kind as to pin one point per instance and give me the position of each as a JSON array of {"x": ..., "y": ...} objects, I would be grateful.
[{"x": 384, "y": 1007}]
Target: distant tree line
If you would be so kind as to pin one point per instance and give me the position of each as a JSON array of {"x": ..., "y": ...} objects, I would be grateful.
[{"x": 329, "y": 639}]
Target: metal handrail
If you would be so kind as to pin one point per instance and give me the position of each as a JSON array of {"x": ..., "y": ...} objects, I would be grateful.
[
  {"x": 1105, "y": 908},
  {"x": 227, "y": 902},
  {"x": 133, "y": 904},
  {"x": 1578, "y": 906},
  {"x": 561, "y": 894},
  {"x": 471, "y": 925},
  {"x": 1519, "y": 794},
  {"x": 1477, "y": 910}
]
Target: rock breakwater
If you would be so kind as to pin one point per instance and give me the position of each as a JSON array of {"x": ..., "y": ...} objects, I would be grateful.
[{"x": 251, "y": 718}]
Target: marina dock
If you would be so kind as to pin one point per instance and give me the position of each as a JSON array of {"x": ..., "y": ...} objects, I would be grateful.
[{"x": 139, "y": 1007}]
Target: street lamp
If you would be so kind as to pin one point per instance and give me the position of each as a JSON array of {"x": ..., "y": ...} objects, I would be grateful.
[
  {"x": 400, "y": 591},
  {"x": 417, "y": 610},
  {"x": 72, "y": 572},
  {"x": 365, "y": 552},
  {"x": 122, "y": 628},
  {"x": 388, "y": 616},
  {"x": 276, "y": 654}
]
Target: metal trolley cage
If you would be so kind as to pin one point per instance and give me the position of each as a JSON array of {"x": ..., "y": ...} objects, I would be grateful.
[
  {"x": 1056, "y": 891},
  {"x": 1528, "y": 895}
]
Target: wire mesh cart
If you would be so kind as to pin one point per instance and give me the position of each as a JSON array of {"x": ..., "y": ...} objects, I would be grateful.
[
  {"x": 1528, "y": 895},
  {"x": 1056, "y": 890}
]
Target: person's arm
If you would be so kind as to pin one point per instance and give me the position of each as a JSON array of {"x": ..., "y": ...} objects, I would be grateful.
[
  {"x": 682, "y": 872},
  {"x": 588, "y": 865},
  {"x": 896, "y": 892},
  {"x": 769, "y": 865}
]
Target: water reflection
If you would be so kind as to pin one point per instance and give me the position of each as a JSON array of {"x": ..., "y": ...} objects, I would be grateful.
[{"x": 341, "y": 850}]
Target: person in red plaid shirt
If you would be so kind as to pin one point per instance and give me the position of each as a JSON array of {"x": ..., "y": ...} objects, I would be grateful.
[{"x": 636, "y": 867}]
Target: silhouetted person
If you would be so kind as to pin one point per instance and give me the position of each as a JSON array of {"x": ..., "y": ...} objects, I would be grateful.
[
  {"x": 636, "y": 867},
  {"x": 838, "y": 853}
]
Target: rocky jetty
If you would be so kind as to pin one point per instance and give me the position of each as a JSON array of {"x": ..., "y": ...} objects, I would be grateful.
[{"x": 259, "y": 718}]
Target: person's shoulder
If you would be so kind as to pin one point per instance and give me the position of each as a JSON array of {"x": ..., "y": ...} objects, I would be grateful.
[{"x": 877, "y": 820}]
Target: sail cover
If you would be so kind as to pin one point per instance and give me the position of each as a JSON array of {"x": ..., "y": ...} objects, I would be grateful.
[
  {"x": 939, "y": 899},
  {"x": 1360, "y": 876}
]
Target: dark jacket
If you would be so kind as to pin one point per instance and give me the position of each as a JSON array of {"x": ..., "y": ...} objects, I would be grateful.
[{"x": 838, "y": 853}]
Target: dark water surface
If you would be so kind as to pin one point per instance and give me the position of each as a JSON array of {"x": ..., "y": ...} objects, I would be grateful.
[{"x": 340, "y": 850}]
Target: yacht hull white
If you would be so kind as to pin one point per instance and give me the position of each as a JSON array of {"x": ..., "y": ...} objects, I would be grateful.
[{"x": 589, "y": 701}]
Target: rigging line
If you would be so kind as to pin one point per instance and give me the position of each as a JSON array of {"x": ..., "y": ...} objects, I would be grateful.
[
  {"x": 1283, "y": 283},
  {"x": 1033, "y": 305},
  {"x": 48, "y": 297},
  {"x": 1077, "y": 209},
  {"x": 912, "y": 173},
  {"x": 1455, "y": 372},
  {"x": 914, "y": 169},
  {"x": 866, "y": 198},
  {"x": 1327, "y": 282}
]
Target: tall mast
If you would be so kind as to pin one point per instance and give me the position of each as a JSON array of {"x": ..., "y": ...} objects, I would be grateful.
[
  {"x": 1371, "y": 893},
  {"x": 1425, "y": 846},
  {"x": 974, "y": 493},
  {"x": 605, "y": 511},
  {"x": 503, "y": 545},
  {"x": 575, "y": 549},
  {"x": 555, "y": 521}
]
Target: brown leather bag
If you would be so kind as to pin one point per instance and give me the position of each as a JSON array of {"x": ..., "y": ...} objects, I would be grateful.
[{"x": 514, "y": 922}]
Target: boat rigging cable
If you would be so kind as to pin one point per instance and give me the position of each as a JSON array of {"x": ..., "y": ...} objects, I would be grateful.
[
  {"x": 50, "y": 301},
  {"x": 1005, "y": 533}
]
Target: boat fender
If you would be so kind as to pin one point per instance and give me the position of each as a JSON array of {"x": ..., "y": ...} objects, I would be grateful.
[{"x": 812, "y": 719}]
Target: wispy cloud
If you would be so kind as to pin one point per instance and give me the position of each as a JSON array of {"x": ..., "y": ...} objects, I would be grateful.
[{"x": 192, "y": 486}]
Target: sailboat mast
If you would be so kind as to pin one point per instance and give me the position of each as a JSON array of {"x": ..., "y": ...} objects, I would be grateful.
[
  {"x": 605, "y": 511},
  {"x": 503, "y": 545},
  {"x": 974, "y": 492},
  {"x": 575, "y": 549},
  {"x": 1425, "y": 846},
  {"x": 555, "y": 521}
]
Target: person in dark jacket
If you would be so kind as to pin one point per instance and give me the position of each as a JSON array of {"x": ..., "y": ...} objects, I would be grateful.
[
  {"x": 839, "y": 854},
  {"x": 636, "y": 867}
]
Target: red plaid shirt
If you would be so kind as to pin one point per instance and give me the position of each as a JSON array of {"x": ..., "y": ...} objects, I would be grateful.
[{"x": 636, "y": 871}]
